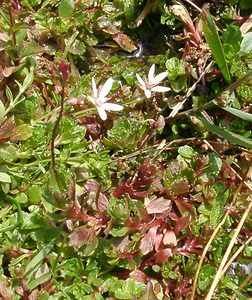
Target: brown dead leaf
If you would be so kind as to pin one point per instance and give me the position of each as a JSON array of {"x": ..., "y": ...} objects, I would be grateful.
[
  {"x": 246, "y": 25},
  {"x": 125, "y": 42}
]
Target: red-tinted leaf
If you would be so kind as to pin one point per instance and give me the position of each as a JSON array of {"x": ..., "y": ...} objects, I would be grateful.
[
  {"x": 227, "y": 175},
  {"x": 64, "y": 70},
  {"x": 80, "y": 236},
  {"x": 170, "y": 239},
  {"x": 180, "y": 187},
  {"x": 6, "y": 130},
  {"x": 158, "y": 184},
  {"x": 93, "y": 127},
  {"x": 162, "y": 256},
  {"x": 120, "y": 243},
  {"x": 200, "y": 164},
  {"x": 25, "y": 291},
  {"x": 138, "y": 276},
  {"x": 158, "y": 258},
  {"x": 158, "y": 243},
  {"x": 158, "y": 205},
  {"x": 146, "y": 174},
  {"x": 191, "y": 246},
  {"x": 148, "y": 294},
  {"x": 120, "y": 190},
  {"x": 183, "y": 206},
  {"x": 149, "y": 223},
  {"x": 93, "y": 188},
  {"x": 129, "y": 257},
  {"x": 183, "y": 287},
  {"x": 181, "y": 223},
  {"x": 138, "y": 188},
  {"x": 75, "y": 213},
  {"x": 173, "y": 216},
  {"x": 147, "y": 242},
  {"x": 102, "y": 203},
  {"x": 128, "y": 188},
  {"x": 5, "y": 291}
]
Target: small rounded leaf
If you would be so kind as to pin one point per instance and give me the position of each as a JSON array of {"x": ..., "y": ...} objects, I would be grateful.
[
  {"x": 5, "y": 177},
  {"x": 66, "y": 8},
  {"x": 186, "y": 151}
]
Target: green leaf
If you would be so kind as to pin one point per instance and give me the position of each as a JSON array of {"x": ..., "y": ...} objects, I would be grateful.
[
  {"x": 240, "y": 295},
  {"x": 34, "y": 194},
  {"x": 28, "y": 80},
  {"x": 130, "y": 8},
  {"x": 232, "y": 36},
  {"x": 23, "y": 132},
  {"x": 19, "y": 221},
  {"x": 118, "y": 209},
  {"x": 31, "y": 48},
  {"x": 37, "y": 259},
  {"x": 77, "y": 47},
  {"x": 9, "y": 94},
  {"x": 232, "y": 40},
  {"x": 119, "y": 230},
  {"x": 205, "y": 208},
  {"x": 186, "y": 151},
  {"x": 179, "y": 84},
  {"x": 175, "y": 68},
  {"x": 228, "y": 135},
  {"x": 206, "y": 276},
  {"x": 129, "y": 288},
  {"x": 125, "y": 134},
  {"x": 239, "y": 113},
  {"x": 215, "y": 164},
  {"x": 217, "y": 210},
  {"x": 66, "y": 8},
  {"x": 21, "y": 198},
  {"x": 214, "y": 42},
  {"x": 5, "y": 177},
  {"x": 245, "y": 4}
]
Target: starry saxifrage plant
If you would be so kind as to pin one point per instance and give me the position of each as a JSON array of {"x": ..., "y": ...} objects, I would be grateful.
[{"x": 114, "y": 185}]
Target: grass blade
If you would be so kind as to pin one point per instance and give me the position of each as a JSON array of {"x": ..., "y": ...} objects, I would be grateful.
[
  {"x": 228, "y": 135},
  {"x": 43, "y": 278},
  {"x": 214, "y": 42},
  {"x": 37, "y": 259},
  {"x": 239, "y": 113}
]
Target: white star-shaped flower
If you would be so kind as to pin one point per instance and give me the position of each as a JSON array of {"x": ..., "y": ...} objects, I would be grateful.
[
  {"x": 99, "y": 99},
  {"x": 150, "y": 84}
]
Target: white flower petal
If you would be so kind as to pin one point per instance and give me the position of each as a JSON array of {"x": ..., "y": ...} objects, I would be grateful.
[
  {"x": 147, "y": 93},
  {"x": 95, "y": 92},
  {"x": 140, "y": 80},
  {"x": 91, "y": 99},
  {"x": 151, "y": 73},
  {"x": 159, "y": 78},
  {"x": 106, "y": 89},
  {"x": 160, "y": 89},
  {"x": 102, "y": 113},
  {"x": 112, "y": 107}
]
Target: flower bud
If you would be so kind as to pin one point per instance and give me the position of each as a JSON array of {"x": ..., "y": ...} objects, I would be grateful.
[{"x": 63, "y": 71}]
